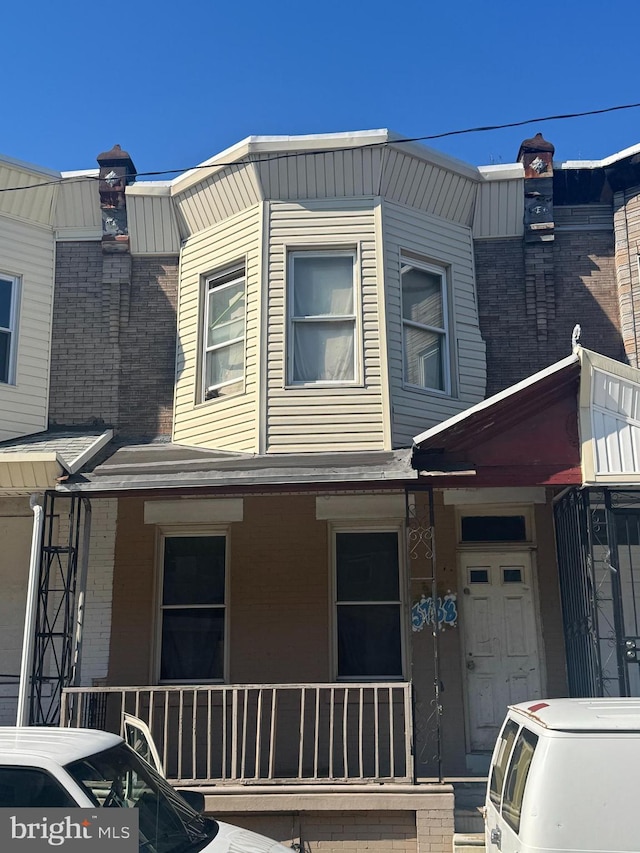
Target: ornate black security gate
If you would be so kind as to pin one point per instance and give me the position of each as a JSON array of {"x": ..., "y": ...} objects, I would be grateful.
[
  {"x": 60, "y": 603},
  {"x": 598, "y": 542}
]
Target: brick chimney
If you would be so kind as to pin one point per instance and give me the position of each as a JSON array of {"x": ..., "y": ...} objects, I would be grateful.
[
  {"x": 116, "y": 173},
  {"x": 536, "y": 155}
]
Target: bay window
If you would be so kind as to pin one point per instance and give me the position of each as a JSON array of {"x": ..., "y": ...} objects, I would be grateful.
[
  {"x": 322, "y": 317},
  {"x": 425, "y": 325}
]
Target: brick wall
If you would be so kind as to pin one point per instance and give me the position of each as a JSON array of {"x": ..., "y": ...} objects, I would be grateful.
[
  {"x": 425, "y": 830},
  {"x": 114, "y": 337},
  {"x": 626, "y": 207},
  {"x": 97, "y": 622},
  {"x": 84, "y": 355},
  {"x": 148, "y": 348},
  {"x": 530, "y": 296}
]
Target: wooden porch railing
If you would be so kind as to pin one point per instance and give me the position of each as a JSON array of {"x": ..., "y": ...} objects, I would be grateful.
[{"x": 240, "y": 734}]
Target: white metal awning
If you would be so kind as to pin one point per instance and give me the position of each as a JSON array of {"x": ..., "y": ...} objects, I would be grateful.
[
  {"x": 36, "y": 463},
  {"x": 609, "y": 413}
]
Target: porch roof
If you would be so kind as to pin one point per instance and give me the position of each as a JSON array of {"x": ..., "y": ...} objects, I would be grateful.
[
  {"x": 575, "y": 422},
  {"x": 162, "y": 466},
  {"x": 37, "y": 462}
]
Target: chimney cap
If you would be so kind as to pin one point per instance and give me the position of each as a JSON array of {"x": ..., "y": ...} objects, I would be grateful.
[
  {"x": 537, "y": 145},
  {"x": 118, "y": 157}
]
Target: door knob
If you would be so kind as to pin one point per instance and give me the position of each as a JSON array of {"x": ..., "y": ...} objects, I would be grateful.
[{"x": 471, "y": 664}]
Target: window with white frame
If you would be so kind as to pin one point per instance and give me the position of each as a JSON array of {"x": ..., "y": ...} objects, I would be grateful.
[
  {"x": 425, "y": 325},
  {"x": 368, "y": 605},
  {"x": 224, "y": 333},
  {"x": 9, "y": 287},
  {"x": 322, "y": 317},
  {"x": 192, "y": 608}
]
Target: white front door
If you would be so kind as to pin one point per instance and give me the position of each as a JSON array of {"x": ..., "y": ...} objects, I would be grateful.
[{"x": 500, "y": 638}]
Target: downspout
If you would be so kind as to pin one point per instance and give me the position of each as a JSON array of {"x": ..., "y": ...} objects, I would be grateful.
[{"x": 22, "y": 718}]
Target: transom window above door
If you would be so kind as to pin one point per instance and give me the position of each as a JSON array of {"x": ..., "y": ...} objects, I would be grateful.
[{"x": 322, "y": 317}]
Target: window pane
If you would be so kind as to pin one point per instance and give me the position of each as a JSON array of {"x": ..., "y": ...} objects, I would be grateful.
[
  {"x": 517, "y": 778},
  {"x": 367, "y": 567},
  {"x": 194, "y": 570},
  {"x": 478, "y": 576},
  {"x": 323, "y": 352},
  {"x": 22, "y": 788},
  {"x": 422, "y": 297},
  {"x": 6, "y": 289},
  {"x": 424, "y": 358},
  {"x": 192, "y": 644},
  {"x": 369, "y": 641},
  {"x": 5, "y": 347},
  {"x": 225, "y": 364},
  {"x": 499, "y": 768},
  {"x": 322, "y": 285},
  {"x": 494, "y": 528},
  {"x": 226, "y": 314},
  {"x": 512, "y": 575}
]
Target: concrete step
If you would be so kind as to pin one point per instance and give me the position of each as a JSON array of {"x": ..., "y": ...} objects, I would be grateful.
[
  {"x": 468, "y": 821},
  {"x": 468, "y": 842}
]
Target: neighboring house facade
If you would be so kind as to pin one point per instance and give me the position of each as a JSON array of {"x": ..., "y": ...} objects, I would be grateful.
[{"x": 293, "y": 344}]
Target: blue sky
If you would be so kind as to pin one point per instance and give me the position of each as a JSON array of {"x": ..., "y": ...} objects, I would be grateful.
[{"x": 176, "y": 82}]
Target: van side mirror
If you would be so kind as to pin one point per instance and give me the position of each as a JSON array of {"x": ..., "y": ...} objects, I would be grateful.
[{"x": 195, "y": 800}]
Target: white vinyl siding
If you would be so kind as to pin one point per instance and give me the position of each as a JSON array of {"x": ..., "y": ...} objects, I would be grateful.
[
  {"x": 499, "y": 207},
  {"x": 307, "y": 419},
  {"x": 32, "y": 205},
  {"x": 218, "y": 197},
  {"x": 331, "y": 174},
  {"x": 77, "y": 212},
  {"x": 410, "y": 233},
  {"x": 225, "y": 423},
  {"x": 428, "y": 187},
  {"x": 153, "y": 228},
  {"x": 27, "y": 253}
]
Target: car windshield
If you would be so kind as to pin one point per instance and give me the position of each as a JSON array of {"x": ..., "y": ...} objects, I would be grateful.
[{"x": 119, "y": 778}]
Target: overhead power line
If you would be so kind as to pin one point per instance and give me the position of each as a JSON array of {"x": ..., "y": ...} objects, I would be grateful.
[{"x": 288, "y": 155}]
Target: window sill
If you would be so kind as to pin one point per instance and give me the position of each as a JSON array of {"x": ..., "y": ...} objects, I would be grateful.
[{"x": 430, "y": 392}]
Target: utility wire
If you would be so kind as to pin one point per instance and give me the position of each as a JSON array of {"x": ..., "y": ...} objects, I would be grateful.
[{"x": 285, "y": 156}]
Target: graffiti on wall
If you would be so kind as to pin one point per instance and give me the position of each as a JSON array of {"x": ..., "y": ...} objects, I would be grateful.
[{"x": 425, "y": 611}]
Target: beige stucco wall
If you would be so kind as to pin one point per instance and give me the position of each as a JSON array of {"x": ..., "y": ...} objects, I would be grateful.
[{"x": 278, "y": 594}]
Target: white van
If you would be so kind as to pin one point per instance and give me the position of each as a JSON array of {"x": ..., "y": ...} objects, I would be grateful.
[
  {"x": 564, "y": 777},
  {"x": 67, "y": 768}
]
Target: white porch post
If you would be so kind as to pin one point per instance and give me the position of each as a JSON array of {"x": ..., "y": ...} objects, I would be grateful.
[{"x": 22, "y": 718}]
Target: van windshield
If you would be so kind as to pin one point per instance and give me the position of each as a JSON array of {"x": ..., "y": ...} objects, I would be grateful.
[{"x": 118, "y": 778}]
